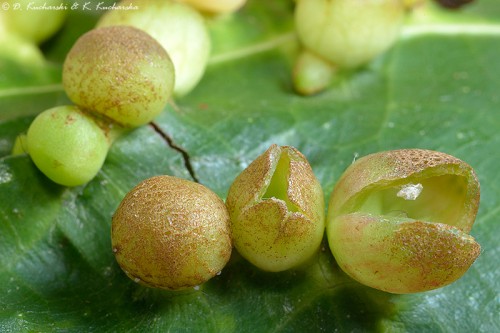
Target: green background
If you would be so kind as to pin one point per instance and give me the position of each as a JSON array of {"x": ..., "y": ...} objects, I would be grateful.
[{"x": 437, "y": 88}]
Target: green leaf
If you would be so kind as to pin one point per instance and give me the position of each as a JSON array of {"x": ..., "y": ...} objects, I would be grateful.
[{"x": 436, "y": 89}]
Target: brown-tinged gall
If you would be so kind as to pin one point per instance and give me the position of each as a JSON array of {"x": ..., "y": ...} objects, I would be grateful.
[
  {"x": 120, "y": 72},
  {"x": 399, "y": 220},
  {"x": 277, "y": 210},
  {"x": 171, "y": 233}
]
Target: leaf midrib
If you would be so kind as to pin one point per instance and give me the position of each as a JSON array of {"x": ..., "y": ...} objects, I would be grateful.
[{"x": 31, "y": 90}]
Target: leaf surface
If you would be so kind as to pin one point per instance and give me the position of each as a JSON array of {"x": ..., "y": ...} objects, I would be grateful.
[{"x": 435, "y": 89}]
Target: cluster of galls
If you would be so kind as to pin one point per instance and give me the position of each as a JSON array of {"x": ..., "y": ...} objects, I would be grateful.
[
  {"x": 342, "y": 35},
  {"x": 397, "y": 221},
  {"x": 119, "y": 76}
]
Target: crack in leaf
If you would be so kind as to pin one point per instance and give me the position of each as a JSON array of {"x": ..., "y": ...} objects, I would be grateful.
[{"x": 168, "y": 139}]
